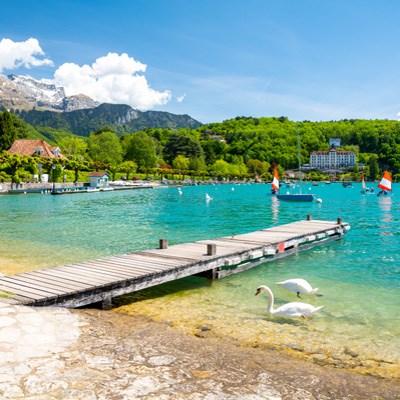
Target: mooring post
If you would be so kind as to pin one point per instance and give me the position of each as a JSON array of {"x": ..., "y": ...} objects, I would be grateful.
[
  {"x": 106, "y": 303},
  {"x": 163, "y": 244},
  {"x": 211, "y": 249},
  {"x": 339, "y": 221},
  {"x": 308, "y": 217}
]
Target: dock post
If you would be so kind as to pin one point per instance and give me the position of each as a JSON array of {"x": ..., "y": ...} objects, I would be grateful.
[
  {"x": 106, "y": 303},
  {"x": 308, "y": 217},
  {"x": 339, "y": 221},
  {"x": 163, "y": 244},
  {"x": 211, "y": 249}
]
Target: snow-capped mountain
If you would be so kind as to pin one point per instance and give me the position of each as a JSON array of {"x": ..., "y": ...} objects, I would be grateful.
[{"x": 26, "y": 93}]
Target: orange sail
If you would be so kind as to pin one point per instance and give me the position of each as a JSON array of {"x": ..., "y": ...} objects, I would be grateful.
[
  {"x": 275, "y": 181},
  {"x": 386, "y": 182}
]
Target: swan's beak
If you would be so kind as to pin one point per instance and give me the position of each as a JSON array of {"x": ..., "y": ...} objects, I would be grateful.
[{"x": 258, "y": 292}]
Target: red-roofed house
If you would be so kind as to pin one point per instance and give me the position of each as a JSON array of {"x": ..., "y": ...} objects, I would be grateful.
[{"x": 35, "y": 147}]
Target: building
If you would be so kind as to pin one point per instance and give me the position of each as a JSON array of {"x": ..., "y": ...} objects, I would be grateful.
[
  {"x": 35, "y": 147},
  {"x": 99, "y": 179},
  {"x": 333, "y": 159}
]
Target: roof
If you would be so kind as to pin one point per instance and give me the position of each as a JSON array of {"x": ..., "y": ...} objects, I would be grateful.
[
  {"x": 30, "y": 147},
  {"x": 338, "y": 152},
  {"x": 99, "y": 174}
]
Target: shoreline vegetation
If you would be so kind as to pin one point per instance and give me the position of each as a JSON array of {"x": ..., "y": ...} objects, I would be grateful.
[{"x": 242, "y": 148}]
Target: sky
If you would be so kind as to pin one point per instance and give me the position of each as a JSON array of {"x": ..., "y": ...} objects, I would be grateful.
[{"x": 317, "y": 60}]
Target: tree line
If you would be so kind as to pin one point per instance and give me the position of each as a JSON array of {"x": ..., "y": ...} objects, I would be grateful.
[{"x": 243, "y": 147}]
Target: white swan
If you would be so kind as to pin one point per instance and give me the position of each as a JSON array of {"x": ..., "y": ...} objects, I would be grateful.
[
  {"x": 292, "y": 310},
  {"x": 298, "y": 286}
]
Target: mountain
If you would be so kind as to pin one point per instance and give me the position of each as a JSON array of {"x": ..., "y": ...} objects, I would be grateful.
[
  {"x": 122, "y": 118},
  {"x": 26, "y": 93},
  {"x": 43, "y": 104}
]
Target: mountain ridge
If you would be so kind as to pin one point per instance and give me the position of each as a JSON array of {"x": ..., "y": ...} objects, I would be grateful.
[
  {"x": 41, "y": 103},
  {"x": 121, "y": 117}
]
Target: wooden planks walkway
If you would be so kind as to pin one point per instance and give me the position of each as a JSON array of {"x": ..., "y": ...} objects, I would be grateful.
[{"x": 100, "y": 280}]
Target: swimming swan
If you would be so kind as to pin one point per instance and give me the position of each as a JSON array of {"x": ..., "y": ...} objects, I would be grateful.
[
  {"x": 298, "y": 286},
  {"x": 292, "y": 310}
]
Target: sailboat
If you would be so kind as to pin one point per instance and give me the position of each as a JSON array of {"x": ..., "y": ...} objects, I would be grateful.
[
  {"x": 275, "y": 182},
  {"x": 297, "y": 196},
  {"x": 385, "y": 184},
  {"x": 364, "y": 188}
]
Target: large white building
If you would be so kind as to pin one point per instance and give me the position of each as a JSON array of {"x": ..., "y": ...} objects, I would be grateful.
[{"x": 333, "y": 159}]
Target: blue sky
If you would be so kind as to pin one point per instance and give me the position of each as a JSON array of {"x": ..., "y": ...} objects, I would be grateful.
[{"x": 216, "y": 59}]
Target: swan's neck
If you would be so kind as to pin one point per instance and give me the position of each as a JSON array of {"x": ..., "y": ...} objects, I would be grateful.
[{"x": 267, "y": 290}]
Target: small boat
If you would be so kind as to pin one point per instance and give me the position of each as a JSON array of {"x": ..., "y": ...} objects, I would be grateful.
[
  {"x": 385, "y": 184},
  {"x": 363, "y": 185},
  {"x": 275, "y": 182},
  {"x": 296, "y": 197},
  {"x": 347, "y": 184},
  {"x": 364, "y": 188}
]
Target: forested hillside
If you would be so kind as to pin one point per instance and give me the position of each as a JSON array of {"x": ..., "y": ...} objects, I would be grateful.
[{"x": 240, "y": 147}]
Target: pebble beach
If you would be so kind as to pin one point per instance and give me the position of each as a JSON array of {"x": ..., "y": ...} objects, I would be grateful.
[{"x": 49, "y": 354}]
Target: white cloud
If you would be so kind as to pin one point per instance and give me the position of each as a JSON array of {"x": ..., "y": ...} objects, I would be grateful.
[
  {"x": 179, "y": 99},
  {"x": 17, "y": 54},
  {"x": 114, "y": 78}
]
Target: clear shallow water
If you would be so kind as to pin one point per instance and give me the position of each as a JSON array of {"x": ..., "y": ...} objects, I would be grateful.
[{"x": 359, "y": 327}]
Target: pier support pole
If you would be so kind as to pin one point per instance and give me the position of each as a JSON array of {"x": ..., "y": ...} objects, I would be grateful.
[
  {"x": 308, "y": 217},
  {"x": 211, "y": 249},
  {"x": 106, "y": 303},
  {"x": 163, "y": 244}
]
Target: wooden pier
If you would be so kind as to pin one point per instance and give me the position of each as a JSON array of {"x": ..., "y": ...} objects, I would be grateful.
[{"x": 98, "y": 281}]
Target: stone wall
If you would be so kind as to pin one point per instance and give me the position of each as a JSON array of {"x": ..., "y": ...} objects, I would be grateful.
[{"x": 5, "y": 187}]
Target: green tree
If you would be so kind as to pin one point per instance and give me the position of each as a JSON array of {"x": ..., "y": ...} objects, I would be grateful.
[
  {"x": 105, "y": 147},
  {"x": 257, "y": 167},
  {"x": 180, "y": 145},
  {"x": 13, "y": 163},
  {"x": 73, "y": 148},
  {"x": 76, "y": 166},
  {"x": 197, "y": 164},
  {"x": 128, "y": 167},
  {"x": 141, "y": 149},
  {"x": 181, "y": 164},
  {"x": 373, "y": 167},
  {"x": 7, "y": 130},
  {"x": 220, "y": 168}
]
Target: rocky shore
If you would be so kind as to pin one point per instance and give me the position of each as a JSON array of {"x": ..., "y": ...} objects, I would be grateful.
[{"x": 48, "y": 354}]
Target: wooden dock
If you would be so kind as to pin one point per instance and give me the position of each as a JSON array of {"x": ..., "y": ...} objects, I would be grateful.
[{"x": 98, "y": 281}]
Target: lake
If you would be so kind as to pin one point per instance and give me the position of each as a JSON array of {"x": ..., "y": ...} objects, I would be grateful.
[{"x": 359, "y": 276}]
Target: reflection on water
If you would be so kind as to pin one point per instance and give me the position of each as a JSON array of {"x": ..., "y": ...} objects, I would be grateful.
[{"x": 275, "y": 208}]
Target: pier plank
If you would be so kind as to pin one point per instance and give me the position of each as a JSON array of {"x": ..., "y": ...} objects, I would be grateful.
[
  {"x": 40, "y": 280},
  {"x": 56, "y": 279},
  {"x": 21, "y": 282},
  {"x": 114, "y": 271}
]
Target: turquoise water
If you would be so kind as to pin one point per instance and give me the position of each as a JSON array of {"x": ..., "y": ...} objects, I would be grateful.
[{"x": 358, "y": 276}]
